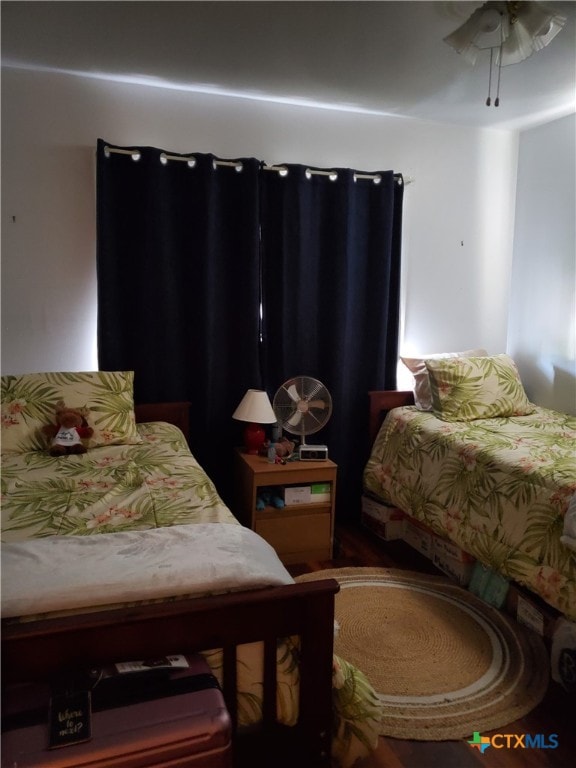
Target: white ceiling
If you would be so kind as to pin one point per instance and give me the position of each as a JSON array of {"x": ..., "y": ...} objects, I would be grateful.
[{"x": 386, "y": 57}]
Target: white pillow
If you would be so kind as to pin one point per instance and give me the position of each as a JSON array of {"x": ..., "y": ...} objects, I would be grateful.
[{"x": 417, "y": 367}]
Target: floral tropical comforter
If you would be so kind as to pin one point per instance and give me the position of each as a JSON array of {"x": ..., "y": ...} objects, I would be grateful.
[
  {"x": 153, "y": 485},
  {"x": 499, "y": 488},
  {"x": 109, "y": 489}
]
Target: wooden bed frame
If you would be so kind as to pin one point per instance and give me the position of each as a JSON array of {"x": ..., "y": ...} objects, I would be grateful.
[
  {"x": 43, "y": 651},
  {"x": 382, "y": 401}
]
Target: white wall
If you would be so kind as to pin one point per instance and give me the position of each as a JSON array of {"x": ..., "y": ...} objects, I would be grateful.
[
  {"x": 458, "y": 224},
  {"x": 542, "y": 330}
]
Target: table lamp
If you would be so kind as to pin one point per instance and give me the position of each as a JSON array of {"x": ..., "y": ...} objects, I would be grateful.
[{"x": 256, "y": 409}]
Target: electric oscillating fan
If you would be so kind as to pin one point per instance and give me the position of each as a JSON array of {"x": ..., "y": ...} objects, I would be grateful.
[{"x": 303, "y": 406}]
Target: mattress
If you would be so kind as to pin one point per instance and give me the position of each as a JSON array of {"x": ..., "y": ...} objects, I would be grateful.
[{"x": 499, "y": 488}]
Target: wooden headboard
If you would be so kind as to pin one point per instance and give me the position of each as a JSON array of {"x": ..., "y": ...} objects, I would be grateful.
[
  {"x": 174, "y": 413},
  {"x": 383, "y": 401}
]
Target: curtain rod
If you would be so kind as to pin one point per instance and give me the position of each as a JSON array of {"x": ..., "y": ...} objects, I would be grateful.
[
  {"x": 134, "y": 153},
  {"x": 281, "y": 169},
  {"x": 164, "y": 157},
  {"x": 375, "y": 177}
]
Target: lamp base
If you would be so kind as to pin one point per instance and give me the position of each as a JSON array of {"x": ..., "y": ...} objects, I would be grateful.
[{"x": 254, "y": 438}]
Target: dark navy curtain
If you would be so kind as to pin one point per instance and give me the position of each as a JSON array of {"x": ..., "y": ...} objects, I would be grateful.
[
  {"x": 179, "y": 286},
  {"x": 189, "y": 250},
  {"x": 331, "y": 292}
]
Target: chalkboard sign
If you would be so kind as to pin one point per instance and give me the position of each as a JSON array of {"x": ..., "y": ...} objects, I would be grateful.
[{"x": 70, "y": 721}]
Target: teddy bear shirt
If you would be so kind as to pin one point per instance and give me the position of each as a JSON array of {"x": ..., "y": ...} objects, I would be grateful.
[{"x": 67, "y": 436}]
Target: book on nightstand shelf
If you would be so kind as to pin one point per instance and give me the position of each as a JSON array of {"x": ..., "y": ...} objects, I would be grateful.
[
  {"x": 320, "y": 492},
  {"x": 295, "y": 494}
]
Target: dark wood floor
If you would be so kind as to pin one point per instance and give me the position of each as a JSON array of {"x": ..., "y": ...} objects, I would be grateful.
[{"x": 555, "y": 715}]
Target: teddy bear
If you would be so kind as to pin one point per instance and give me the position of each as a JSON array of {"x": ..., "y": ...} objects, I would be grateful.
[
  {"x": 283, "y": 447},
  {"x": 70, "y": 429}
]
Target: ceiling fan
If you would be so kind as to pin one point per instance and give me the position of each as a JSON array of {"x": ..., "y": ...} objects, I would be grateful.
[{"x": 510, "y": 31}]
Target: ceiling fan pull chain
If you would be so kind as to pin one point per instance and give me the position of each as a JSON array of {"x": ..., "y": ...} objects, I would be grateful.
[
  {"x": 489, "y": 100},
  {"x": 497, "y": 101}
]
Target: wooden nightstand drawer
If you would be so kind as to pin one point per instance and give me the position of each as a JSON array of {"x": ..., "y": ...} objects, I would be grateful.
[{"x": 298, "y": 537}]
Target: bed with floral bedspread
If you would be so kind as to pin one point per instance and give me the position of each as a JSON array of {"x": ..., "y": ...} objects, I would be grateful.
[
  {"x": 497, "y": 487},
  {"x": 148, "y": 494}
]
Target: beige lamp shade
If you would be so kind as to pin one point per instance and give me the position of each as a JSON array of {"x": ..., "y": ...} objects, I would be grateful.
[
  {"x": 255, "y": 406},
  {"x": 255, "y": 409}
]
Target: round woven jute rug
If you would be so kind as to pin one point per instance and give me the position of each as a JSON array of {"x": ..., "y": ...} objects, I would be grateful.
[{"x": 443, "y": 662}]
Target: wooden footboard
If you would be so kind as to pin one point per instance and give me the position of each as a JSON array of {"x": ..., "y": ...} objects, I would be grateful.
[
  {"x": 380, "y": 403},
  {"x": 44, "y": 650}
]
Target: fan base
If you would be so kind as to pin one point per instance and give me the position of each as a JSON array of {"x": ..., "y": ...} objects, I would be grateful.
[{"x": 313, "y": 453}]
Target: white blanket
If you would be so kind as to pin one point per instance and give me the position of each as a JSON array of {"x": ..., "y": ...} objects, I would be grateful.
[{"x": 60, "y": 573}]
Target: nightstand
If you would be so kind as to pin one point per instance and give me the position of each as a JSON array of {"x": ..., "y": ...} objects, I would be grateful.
[{"x": 298, "y": 532}]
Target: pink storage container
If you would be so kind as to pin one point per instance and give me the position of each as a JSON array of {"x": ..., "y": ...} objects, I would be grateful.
[{"x": 166, "y": 718}]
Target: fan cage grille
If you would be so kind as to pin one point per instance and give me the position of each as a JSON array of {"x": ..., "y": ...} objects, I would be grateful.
[{"x": 302, "y": 406}]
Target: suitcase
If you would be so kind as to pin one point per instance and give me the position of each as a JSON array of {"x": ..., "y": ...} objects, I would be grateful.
[{"x": 143, "y": 715}]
